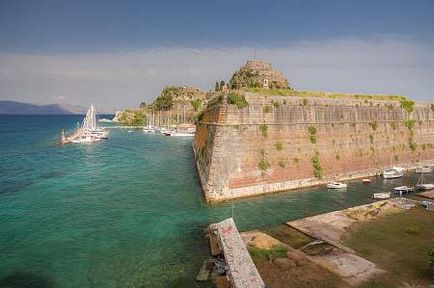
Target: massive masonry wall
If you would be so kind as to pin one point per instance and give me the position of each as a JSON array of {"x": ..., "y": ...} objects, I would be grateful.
[{"x": 279, "y": 142}]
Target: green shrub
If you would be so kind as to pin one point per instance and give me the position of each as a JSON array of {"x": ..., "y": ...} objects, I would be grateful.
[
  {"x": 407, "y": 106},
  {"x": 312, "y": 130},
  {"x": 264, "y": 164},
  {"x": 305, "y": 101},
  {"x": 282, "y": 163},
  {"x": 312, "y": 139},
  {"x": 432, "y": 107},
  {"x": 317, "y": 169},
  {"x": 412, "y": 145},
  {"x": 296, "y": 160},
  {"x": 371, "y": 138},
  {"x": 267, "y": 109},
  {"x": 279, "y": 146},
  {"x": 196, "y": 104},
  {"x": 409, "y": 123},
  {"x": 374, "y": 125},
  {"x": 238, "y": 100},
  {"x": 264, "y": 130},
  {"x": 338, "y": 157}
]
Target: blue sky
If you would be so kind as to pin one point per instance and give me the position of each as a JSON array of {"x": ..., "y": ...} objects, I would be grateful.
[{"x": 75, "y": 50}]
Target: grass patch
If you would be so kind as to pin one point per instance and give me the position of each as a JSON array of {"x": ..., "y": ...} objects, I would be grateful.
[
  {"x": 238, "y": 100},
  {"x": 320, "y": 94},
  {"x": 275, "y": 252},
  {"x": 289, "y": 236},
  {"x": 399, "y": 243}
]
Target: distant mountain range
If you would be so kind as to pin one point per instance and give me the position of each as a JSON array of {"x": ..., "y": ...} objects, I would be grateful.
[{"x": 19, "y": 108}]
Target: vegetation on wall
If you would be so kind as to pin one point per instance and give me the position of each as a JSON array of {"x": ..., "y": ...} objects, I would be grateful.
[
  {"x": 320, "y": 94},
  {"x": 317, "y": 168},
  {"x": 264, "y": 164},
  {"x": 312, "y": 134},
  {"x": 374, "y": 125},
  {"x": 196, "y": 104},
  {"x": 432, "y": 107},
  {"x": 267, "y": 109},
  {"x": 238, "y": 100},
  {"x": 279, "y": 146},
  {"x": 264, "y": 130},
  {"x": 407, "y": 106}
]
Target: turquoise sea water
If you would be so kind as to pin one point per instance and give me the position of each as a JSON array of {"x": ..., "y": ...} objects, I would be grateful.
[{"x": 126, "y": 212}]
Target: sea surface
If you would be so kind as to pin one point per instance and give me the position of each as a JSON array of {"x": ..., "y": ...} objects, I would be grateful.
[{"x": 126, "y": 212}]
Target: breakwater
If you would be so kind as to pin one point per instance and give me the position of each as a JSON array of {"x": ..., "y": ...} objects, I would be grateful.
[{"x": 278, "y": 143}]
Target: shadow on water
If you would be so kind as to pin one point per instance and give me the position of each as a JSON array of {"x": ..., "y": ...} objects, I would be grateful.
[{"x": 21, "y": 279}]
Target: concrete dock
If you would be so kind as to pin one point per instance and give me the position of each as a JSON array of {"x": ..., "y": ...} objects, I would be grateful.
[{"x": 241, "y": 270}]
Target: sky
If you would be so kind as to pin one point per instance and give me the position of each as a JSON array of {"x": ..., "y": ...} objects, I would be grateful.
[{"x": 117, "y": 54}]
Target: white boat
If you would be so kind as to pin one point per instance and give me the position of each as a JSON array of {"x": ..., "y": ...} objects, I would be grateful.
[
  {"x": 105, "y": 120},
  {"x": 392, "y": 173},
  {"x": 181, "y": 134},
  {"x": 424, "y": 169},
  {"x": 420, "y": 185},
  {"x": 149, "y": 129},
  {"x": 425, "y": 186},
  {"x": 336, "y": 185},
  {"x": 366, "y": 181},
  {"x": 384, "y": 195},
  {"x": 403, "y": 189},
  {"x": 89, "y": 132}
]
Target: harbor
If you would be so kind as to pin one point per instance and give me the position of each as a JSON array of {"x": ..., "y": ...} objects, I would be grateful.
[{"x": 112, "y": 231}]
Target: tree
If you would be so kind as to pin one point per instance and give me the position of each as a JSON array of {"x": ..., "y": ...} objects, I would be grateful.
[
  {"x": 222, "y": 84},
  {"x": 143, "y": 104},
  {"x": 217, "y": 86},
  {"x": 165, "y": 100}
]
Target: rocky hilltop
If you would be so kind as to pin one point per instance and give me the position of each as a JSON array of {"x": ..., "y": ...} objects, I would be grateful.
[
  {"x": 174, "y": 105},
  {"x": 258, "y": 74}
]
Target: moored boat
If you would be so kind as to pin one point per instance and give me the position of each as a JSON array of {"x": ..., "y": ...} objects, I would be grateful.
[
  {"x": 383, "y": 195},
  {"x": 392, "y": 173},
  {"x": 336, "y": 185},
  {"x": 424, "y": 169},
  {"x": 403, "y": 189},
  {"x": 425, "y": 186}
]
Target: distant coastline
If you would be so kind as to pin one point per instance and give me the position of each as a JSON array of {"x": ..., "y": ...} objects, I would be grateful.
[{"x": 8, "y": 107}]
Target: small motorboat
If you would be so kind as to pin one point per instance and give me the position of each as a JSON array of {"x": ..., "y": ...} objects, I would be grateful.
[
  {"x": 392, "y": 173},
  {"x": 425, "y": 186},
  {"x": 149, "y": 129},
  {"x": 366, "y": 181},
  {"x": 424, "y": 169},
  {"x": 421, "y": 185},
  {"x": 336, "y": 185},
  {"x": 384, "y": 195},
  {"x": 403, "y": 189}
]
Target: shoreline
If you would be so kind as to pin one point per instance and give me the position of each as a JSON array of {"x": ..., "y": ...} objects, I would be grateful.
[{"x": 279, "y": 187}]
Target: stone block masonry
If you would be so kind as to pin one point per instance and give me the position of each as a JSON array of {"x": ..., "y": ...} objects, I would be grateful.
[{"x": 285, "y": 142}]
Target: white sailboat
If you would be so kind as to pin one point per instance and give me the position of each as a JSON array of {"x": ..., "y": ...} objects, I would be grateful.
[{"x": 89, "y": 132}]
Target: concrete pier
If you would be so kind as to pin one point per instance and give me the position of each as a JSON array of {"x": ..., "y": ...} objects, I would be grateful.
[{"x": 241, "y": 270}]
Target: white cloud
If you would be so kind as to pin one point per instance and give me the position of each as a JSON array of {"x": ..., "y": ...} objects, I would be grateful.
[{"x": 126, "y": 78}]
